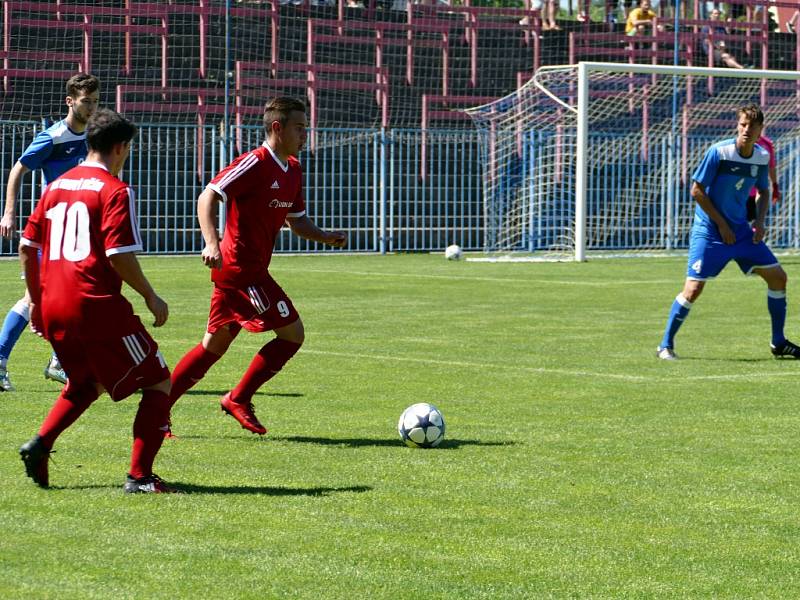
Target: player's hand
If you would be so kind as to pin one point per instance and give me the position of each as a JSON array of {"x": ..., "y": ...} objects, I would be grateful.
[
  {"x": 337, "y": 239},
  {"x": 7, "y": 226},
  {"x": 159, "y": 309},
  {"x": 758, "y": 232},
  {"x": 212, "y": 257},
  {"x": 776, "y": 193},
  {"x": 727, "y": 235},
  {"x": 36, "y": 319}
]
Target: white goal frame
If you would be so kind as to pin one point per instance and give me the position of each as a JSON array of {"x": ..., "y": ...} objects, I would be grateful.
[{"x": 585, "y": 69}]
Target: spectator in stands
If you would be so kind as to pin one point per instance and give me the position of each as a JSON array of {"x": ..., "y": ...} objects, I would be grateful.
[
  {"x": 548, "y": 13},
  {"x": 639, "y": 19},
  {"x": 705, "y": 8},
  {"x": 736, "y": 11},
  {"x": 718, "y": 47},
  {"x": 548, "y": 10}
]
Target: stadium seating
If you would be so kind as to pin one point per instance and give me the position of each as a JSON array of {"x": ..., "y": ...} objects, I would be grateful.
[
  {"x": 89, "y": 21},
  {"x": 253, "y": 82},
  {"x": 371, "y": 58}
]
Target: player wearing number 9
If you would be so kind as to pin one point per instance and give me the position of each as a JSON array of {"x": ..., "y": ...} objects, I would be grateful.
[
  {"x": 86, "y": 228},
  {"x": 261, "y": 190}
]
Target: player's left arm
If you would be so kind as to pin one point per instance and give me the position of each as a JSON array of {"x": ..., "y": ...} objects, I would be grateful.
[
  {"x": 307, "y": 229},
  {"x": 29, "y": 247},
  {"x": 776, "y": 190},
  {"x": 762, "y": 204},
  {"x": 762, "y": 185},
  {"x": 128, "y": 267},
  {"x": 29, "y": 257}
]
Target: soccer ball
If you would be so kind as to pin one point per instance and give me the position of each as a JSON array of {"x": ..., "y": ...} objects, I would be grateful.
[
  {"x": 421, "y": 426},
  {"x": 453, "y": 252}
]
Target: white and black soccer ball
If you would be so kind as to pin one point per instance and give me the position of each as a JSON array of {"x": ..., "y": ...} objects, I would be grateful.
[
  {"x": 453, "y": 252},
  {"x": 421, "y": 426}
]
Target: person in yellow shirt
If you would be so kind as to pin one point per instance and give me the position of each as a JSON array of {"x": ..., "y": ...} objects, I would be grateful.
[{"x": 639, "y": 19}]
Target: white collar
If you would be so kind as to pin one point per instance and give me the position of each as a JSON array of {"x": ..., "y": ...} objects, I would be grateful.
[
  {"x": 281, "y": 164},
  {"x": 91, "y": 163}
]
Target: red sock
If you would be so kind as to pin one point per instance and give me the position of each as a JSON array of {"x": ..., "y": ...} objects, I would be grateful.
[
  {"x": 148, "y": 431},
  {"x": 269, "y": 360},
  {"x": 191, "y": 369},
  {"x": 70, "y": 405}
]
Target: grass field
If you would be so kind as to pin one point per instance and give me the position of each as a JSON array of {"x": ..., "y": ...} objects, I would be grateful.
[{"x": 575, "y": 465}]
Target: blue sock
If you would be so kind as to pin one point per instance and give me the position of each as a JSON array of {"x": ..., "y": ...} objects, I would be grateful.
[
  {"x": 13, "y": 326},
  {"x": 678, "y": 312},
  {"x": 776, "y": 303}
]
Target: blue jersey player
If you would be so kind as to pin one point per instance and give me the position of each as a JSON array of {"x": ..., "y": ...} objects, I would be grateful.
[
  {"x": 53, "y": 151},
  {"x": 721, "y": 231}
]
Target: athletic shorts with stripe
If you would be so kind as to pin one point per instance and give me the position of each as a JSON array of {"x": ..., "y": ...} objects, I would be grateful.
[
  {"x": 121, "y": 364},
  {"x": 258, "y": 307}
]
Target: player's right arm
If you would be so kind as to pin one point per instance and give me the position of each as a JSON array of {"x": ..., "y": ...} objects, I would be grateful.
[
  {"x": 700, "y": 196},
  {"x": 207, "y": 205},
  {"x": 12, "y": 190}
]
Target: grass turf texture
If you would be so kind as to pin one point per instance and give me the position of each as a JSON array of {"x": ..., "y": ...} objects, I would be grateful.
[{"x": 575, "y": 463}]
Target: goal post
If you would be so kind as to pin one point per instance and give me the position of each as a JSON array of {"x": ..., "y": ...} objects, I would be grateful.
[{"x": 597, "y": 158}]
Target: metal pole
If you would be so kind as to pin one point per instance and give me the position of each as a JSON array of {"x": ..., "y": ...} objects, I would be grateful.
[
  {"x": 226, "y": 112},
  {"x": 581, "y": 175}
]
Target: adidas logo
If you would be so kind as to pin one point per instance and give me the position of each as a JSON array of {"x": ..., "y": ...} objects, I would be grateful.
[{"x": 275, "y": 185}]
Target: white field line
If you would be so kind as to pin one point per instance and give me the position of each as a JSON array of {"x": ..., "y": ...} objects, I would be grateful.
[
  {"x": 669, "y": 375},
  {"x": 523, "y": 280}
]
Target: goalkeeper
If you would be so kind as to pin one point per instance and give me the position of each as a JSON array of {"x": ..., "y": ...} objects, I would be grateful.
[{"x": 721, "y": 231}]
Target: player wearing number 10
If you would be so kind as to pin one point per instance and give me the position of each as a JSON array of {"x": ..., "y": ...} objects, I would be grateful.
[
  {"x": 86, "y": 229},
  {"x": 262, "y": 190},
  {"x": 721, "y": 231}
]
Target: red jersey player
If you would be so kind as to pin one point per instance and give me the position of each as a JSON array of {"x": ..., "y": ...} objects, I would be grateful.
[
  {"x": 86, "y": 229},
  {"x": 262, "y": 190}
]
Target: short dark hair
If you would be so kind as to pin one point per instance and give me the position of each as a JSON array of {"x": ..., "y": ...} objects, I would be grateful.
[
  {"x": 82, "y": 82},
  {"x": 279, "y": 109},
  {"x": 752, "y": 111},
  {"x": 107, "y": 128}
]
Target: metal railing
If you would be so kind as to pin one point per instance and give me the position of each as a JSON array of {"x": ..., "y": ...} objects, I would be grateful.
[
  {"x": 367, "y": 182},
  {"x": 372, "y": 184}
]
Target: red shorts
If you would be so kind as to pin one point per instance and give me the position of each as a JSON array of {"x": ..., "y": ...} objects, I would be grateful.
[
  {"x": 122, "y": 364},
  {"x": 261, "y": 306}
]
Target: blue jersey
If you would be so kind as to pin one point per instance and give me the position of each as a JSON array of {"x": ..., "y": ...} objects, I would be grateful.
[
  {"x": 55, "y": 151},
  {"x": 727, "y": 178}
]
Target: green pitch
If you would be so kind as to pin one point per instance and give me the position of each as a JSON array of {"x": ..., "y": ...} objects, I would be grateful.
[{"x": 575, "y": 463}]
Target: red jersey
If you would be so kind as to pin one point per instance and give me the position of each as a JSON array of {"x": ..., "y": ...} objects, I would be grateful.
[
  {"x": 83, "y": 217},
  {"x": 260, "y": 192}
]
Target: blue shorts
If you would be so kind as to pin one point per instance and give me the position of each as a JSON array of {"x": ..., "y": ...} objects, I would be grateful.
[{"x": 708, "y": 257}]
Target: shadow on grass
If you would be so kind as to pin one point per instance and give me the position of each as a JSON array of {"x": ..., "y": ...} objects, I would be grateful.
[
  {"x": 728, "y": 359},
  {"x": 223, "y": 392},
  {"x": 189, "y": 488},
  {"x": 447, "y": 444}
]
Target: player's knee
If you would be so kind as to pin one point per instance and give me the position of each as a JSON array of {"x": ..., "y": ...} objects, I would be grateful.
[
  {"x": 22, "y": 308},
  {"x": 294, "y": 332},
  {"x": 165, "y": 387},
  {"x": 219, "y": 341},
  {"x": 777, "y": 279},
  {"x": 82, "y": 394},
  {"x": 692, "y": 290}
]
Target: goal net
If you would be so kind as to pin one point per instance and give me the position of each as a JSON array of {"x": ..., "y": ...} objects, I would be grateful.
[{"x": 598, "y": 157}]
